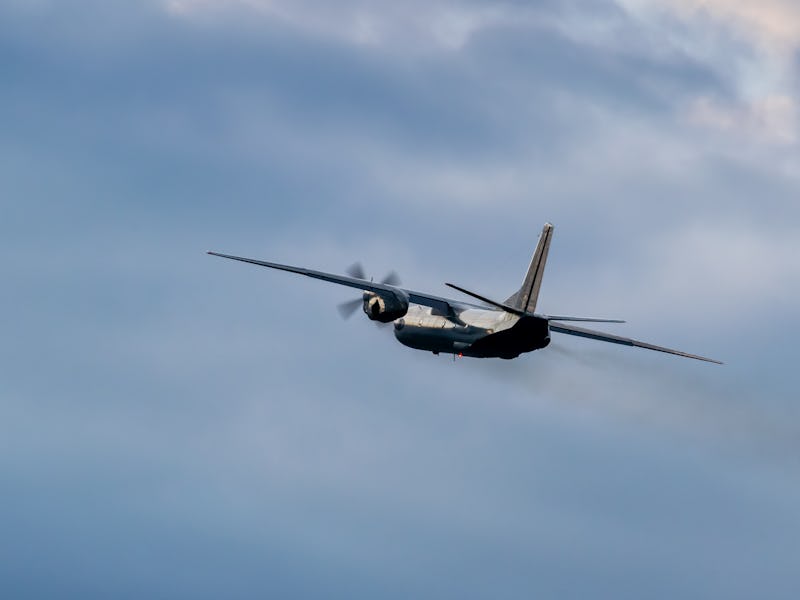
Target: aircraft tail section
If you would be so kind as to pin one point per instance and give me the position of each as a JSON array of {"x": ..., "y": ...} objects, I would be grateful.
[{"x": 525, "y": 299}]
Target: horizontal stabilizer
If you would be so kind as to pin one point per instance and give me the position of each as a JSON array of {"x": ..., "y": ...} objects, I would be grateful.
[
  {"x": 501, "y": 306},
  {"x": 583, "y": 319}
]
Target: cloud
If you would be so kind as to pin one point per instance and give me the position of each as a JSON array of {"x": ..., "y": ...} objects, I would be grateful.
[
  {"x": 757, "y": 50},
  {"x": 770, "y": 119},
  {"x": 713, "y": 272},
  {"x": 239, "y": 439},
  {"x": 774, "y": 24},
  {"x": 445, "y": 25}
]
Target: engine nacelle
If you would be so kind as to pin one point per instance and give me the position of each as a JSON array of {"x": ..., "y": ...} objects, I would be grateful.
[{"x": 386, "y": 306}]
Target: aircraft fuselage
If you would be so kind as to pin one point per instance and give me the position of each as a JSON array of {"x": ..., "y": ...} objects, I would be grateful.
[{"x": 473, "y": 332}]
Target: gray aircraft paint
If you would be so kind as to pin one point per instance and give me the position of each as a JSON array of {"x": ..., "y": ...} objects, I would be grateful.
[{"x": 500, "y": 330}]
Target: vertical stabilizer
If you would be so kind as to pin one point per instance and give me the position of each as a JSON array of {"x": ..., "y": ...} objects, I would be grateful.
[{"x": 525, "y": 298}]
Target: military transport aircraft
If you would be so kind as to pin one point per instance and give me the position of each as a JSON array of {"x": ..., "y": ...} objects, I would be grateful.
[{"x": 491, "y": 330}]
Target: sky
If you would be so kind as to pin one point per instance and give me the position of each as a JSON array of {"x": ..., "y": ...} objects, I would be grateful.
[{"x": 174, "y": 425}]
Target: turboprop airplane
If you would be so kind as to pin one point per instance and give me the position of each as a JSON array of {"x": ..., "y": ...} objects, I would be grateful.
[{"x": 440, "y": 325}]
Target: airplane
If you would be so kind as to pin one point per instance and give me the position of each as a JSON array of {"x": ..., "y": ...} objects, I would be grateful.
[{"x": 440, "y": 325}]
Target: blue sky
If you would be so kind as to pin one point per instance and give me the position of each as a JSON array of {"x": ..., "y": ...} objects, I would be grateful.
[{"x": 172, "y": 425}]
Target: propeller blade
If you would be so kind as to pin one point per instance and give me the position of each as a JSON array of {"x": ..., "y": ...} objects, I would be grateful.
[
  {"x": 356, "y": 270},
  {"x": 346, "y": 309},
  {"x": 391, "y": 279}
]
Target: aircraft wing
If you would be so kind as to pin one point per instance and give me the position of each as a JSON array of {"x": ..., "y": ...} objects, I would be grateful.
[
  {"x": 615, "y": 339},
  {"x": 443, "y": 305}
]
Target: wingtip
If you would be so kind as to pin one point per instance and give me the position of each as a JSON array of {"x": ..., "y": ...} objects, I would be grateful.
[
  {"x": 703, "y": 358},
  {"x": 706, "y": 359}
]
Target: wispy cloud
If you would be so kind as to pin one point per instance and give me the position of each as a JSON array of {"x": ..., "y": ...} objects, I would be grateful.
[
  {"x": 240, "y": 440},
  {"x": 411, "y": 25},
  {"x": 771, "y": 118},
  {"x": 773, "y": 24},
  {"x": 757, "y": 49}
]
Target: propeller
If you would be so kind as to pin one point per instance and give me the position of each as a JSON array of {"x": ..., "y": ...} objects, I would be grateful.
[
  {"x": 346, "y": 309},
  {"x": 391, "y": 279},
  {"x": 356, "y": 271}
]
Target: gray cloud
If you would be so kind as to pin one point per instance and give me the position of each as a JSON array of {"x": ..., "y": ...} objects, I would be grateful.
[{"x": 173, "y": 425}]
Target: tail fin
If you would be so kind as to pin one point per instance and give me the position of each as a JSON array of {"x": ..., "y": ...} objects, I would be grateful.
[{"x": 525, "y": 298}]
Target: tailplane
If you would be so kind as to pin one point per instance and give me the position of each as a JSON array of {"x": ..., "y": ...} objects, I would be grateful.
[{"x": 525, "y": 298}]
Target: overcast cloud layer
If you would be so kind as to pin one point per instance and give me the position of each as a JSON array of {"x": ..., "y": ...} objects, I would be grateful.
[{"x": 172, "y": 425}]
